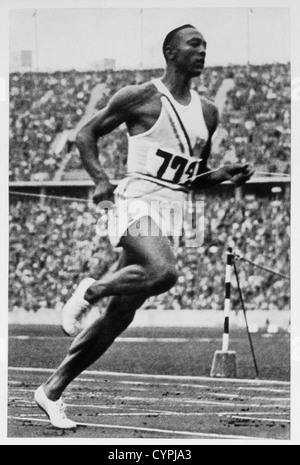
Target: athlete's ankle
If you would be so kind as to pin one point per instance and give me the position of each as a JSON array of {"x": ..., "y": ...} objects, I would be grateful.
[{"x": 51, "y": 394}]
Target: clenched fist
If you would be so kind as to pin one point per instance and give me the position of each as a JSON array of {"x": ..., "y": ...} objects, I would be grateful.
[
  {"x": 239, "y": 174},
  {"x": 104, "y": 191}
]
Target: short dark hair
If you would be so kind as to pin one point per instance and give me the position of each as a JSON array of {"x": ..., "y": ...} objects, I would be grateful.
[{"x": 173, "y": 34}]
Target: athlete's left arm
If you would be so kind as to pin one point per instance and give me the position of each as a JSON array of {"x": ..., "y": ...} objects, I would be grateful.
[
  {"x": 211, "y": 118},
  {"x": 237, "y": 173},
  {"x": 242, "y": 172}
]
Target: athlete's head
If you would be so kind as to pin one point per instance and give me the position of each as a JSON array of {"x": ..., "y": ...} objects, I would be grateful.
[{"x": 185, "y": 48}]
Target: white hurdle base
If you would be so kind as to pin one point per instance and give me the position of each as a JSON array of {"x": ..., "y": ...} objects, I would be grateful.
[{"x": 224, "y": 365}]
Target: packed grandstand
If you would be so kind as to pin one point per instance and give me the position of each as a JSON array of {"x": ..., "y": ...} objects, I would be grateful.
[{"x": 53, "y": 243}]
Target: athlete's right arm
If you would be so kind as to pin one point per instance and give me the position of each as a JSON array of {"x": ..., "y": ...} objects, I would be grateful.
[{"x": 108, "y": 119}]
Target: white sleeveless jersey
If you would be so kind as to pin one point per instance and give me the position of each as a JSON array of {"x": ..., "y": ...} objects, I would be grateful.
[{"x": 169, "y": 153}]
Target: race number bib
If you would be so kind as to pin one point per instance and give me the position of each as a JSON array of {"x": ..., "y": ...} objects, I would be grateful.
[{"x": 176, "y": 169}]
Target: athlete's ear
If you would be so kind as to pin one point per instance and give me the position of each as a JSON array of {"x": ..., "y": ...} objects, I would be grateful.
[{"x": 170, "y": 53}]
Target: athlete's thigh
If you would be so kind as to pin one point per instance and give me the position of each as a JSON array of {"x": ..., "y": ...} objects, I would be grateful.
[{"x": 149, "y": 247}]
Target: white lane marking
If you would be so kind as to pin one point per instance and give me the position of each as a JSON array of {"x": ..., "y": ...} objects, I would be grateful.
[
  {"x": 185, "y": 401},
  {"x": 21, "y": 390},
  {"x": 261, "y": 389},
  {"x": 168, "y": 413},
  {"x": 203, "y": 386},
  {"x": 135, "y": 411},
  {"x": 271, "y": 399},
  {"x": 232, "y": 397},
  {"x": 200, "y": 402},
  {"x": 157, "y": 400},
  {"x": 271, "y": 420},
  {"x": 168, "y": 377},
  {"x": 190, "y": 414},
  {"x": 130, "y": 413},
  {"x": 279, "y": 414},
  {"x": 148, "y": 430}
]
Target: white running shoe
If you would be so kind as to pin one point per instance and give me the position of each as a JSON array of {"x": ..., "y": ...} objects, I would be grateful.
[
  {"x": 76, "y": 308},
  {"x": 54, "y": 410}
]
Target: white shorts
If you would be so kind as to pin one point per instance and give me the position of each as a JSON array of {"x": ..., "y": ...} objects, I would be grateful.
[{"x": 139, "y": 198}]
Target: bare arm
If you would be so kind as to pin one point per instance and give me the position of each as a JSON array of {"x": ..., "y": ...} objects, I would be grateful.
[
  {"x": 237, "y": 173},
  {"x": 108, "y": 119},
  {"x": 212, "y": 119}
]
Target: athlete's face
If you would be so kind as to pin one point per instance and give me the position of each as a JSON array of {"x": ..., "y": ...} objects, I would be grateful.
[{"x": 189, "y": 52}]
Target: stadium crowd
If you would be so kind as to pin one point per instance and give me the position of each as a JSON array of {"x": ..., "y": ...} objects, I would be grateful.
[
  {"x": 255, "y": 124},
  {"x": 53, "y": 243},
  {"x": 256, "y": 120},
  {"x": 56, "y": 243}
]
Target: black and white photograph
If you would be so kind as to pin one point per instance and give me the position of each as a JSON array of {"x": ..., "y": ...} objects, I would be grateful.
[{"x": 149, "y": 167}]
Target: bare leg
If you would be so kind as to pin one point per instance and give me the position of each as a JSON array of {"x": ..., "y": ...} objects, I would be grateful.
[
  {"x": 150, "y": 258},
  {"x": 154, "y": 256},
  {"x": 93, "y": 342}
]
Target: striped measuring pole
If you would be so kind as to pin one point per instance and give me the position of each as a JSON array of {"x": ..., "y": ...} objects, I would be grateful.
[{"x": 230, "y": 258}]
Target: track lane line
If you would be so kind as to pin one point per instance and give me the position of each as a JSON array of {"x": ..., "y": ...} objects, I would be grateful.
[
  {"x": 168, "y": 377},
  {"x": 186, "y": 401},
  {"x": 202, "y": 386},
  {"x": 198, "y": 402},
  {"x": 265, "y": 420},
  {"x": 148, "y": 430},
  {"x": 223, "y": 396},
  {"x": 135, "y": 411}
]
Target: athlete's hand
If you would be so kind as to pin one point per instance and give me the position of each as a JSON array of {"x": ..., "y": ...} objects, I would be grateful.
[
  {"x": 104, "y": 191},
  {"x": 239, "y": 174}
]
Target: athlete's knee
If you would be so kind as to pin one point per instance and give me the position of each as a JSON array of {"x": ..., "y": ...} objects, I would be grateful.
[
  {"x": 170, "y": 278},
  {"x": 165, "y": 278}
]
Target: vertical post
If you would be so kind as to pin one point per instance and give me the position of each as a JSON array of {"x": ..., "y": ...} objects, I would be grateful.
[
  {"x": 142, "y": 39},
  {"x": 248, "y": 38},
  {"x": 224, "y": 363},
  {"x": 36, "y": 41},
  {"x": 227, "y": 308},
  {"x": 246, "y": 320}
]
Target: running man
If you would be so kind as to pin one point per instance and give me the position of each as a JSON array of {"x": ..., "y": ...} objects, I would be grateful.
[{"x": 170, "y": 129}]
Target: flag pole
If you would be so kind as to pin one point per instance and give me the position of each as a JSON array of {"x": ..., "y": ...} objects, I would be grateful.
[
  {"x": 142, "y": 39},
  {"x": 249, "y": 38},
  {"x": 36, "y": 41}
]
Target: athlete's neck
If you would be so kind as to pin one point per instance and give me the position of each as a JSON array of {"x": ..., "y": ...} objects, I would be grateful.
[{"x": 179, "y": 85}]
